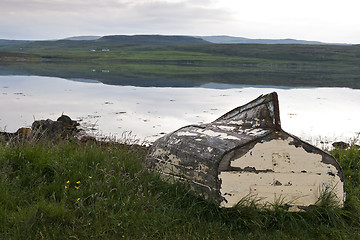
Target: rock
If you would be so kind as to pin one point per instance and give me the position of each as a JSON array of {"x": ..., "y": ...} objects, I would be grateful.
[
  {"x": 66, "y": 121},
  {"x": 24, "y": 132},
  {"x": 20, "y": 134},
  {"x": 63, "y": 128},
  {"x": 341, "y": 145}
]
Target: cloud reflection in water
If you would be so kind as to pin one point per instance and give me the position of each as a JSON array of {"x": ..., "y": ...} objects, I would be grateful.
[{"x": 311, "y": 113}]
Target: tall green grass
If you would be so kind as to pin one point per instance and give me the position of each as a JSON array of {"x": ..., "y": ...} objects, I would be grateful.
[{"x": 68, "y": 190}]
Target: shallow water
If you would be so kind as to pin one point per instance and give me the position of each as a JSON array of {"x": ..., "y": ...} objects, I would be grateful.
[{"x": 313, "y": 114}]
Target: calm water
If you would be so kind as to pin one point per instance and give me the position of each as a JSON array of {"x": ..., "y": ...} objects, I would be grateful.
[{"x": 313, "y": 114}]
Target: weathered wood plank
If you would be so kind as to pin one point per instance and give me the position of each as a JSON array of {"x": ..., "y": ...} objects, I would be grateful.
[{"x": 246, "y": 153}]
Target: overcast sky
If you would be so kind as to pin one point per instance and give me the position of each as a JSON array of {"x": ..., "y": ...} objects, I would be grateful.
[{"x": 319, "y": 20}]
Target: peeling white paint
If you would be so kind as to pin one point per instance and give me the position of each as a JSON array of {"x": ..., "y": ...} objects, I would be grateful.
[
  {"x": 160, "y": 152},
  {"x": 186, "y": 134},
  {"x": 175, "y": 141},
  {"x": 288, "y": 173},
  {"x": 226, "y": 128},
  {"x": 255, "y": 122},
  {"x": 255, "y": 131},
  {"x": 174, "y": 159},
  {"x": 238, "y": 122},
  {"x": 219, "y": 135}
]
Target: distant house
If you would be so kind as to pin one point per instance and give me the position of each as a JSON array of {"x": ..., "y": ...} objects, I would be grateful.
[
  {"x": 245, "y": 154},
  {"x": 92, "y": 50},
  {"x": 105, "y": 50}
]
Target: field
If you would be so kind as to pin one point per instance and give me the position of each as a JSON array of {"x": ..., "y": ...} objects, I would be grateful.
[
  {"x": 72, "y": 190},
  {"x": 117, "y": 63}
]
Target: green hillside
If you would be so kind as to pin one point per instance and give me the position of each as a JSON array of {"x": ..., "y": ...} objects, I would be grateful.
[
  {"x": 4, "y": 42},
  {"x": 143, "y": 59}
]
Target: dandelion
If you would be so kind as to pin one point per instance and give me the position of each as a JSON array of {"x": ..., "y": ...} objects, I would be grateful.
[
  {"x": 349, "y": 176},
  {"x": 66, "y": 187},
  {"x": 78, "y": 199},
  {"x": 123, "y": 236},
  {"x": 68, "y": 181},
  {"x": 76, "y": 187},
  {"x": 78, "y": 182},
  {"x": 90, "y": 177}
]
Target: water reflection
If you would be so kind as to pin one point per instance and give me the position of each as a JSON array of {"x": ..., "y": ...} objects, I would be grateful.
[{"x": 313, "y": 114}]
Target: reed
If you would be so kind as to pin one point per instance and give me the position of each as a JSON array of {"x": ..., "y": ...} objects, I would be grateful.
[{"x": 68, "y": 190}]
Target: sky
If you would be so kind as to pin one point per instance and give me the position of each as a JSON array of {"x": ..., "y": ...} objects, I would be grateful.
[{"x": 331, "y": 21}]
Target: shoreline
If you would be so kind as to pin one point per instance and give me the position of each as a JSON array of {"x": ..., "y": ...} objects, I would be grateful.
[
  {"x": 315, "y": 115},
  {"x": 64, "y": 128}
]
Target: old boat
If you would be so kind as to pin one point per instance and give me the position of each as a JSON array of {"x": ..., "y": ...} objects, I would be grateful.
[{"x": 246, "y": 154}]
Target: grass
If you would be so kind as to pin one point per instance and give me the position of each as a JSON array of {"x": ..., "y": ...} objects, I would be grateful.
[{"x": 67, "y": 190}]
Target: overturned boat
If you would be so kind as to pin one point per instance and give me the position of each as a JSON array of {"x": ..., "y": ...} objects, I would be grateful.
[{"x": 246, "y": 154}]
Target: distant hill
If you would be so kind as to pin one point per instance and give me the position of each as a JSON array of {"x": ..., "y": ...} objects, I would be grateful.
[
  {"x": 170, "y": 40},
  {"x": 152, "y": 40},
  {"x": 5, "y": 42},
  {"x": 142, "y": 39},
  {"x": 106, "y": 41},
  {"x": 83, "y": 38},
  {"x": 229, "y": 40}
]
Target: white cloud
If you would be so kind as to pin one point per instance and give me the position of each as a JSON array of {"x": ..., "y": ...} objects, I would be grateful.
[
  {"x": 331, "y": 21},
  {"x": 62, "y": 18}
]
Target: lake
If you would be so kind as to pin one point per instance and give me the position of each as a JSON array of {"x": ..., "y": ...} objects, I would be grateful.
[{"x": 316, "y": 115}]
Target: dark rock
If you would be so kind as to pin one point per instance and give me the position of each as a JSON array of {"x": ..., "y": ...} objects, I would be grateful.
[
  {"x": 341, "y": 145},
  {"x": 63, "y": 128},
  {"x": 66, "y": 121}
]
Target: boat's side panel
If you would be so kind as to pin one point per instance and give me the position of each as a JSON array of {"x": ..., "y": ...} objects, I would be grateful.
[{"x": 279, "y": 168}]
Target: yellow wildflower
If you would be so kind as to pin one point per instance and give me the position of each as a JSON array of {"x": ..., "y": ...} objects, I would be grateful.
[
  {"x": 78, "y": 199},
  {"x": 78, "y": 182},
  {"x": 90, "y": 177},
  {"x": 76, "y": 187},
  {"x": 68, "y": 181},
  {"x": 66, "y": 187}
]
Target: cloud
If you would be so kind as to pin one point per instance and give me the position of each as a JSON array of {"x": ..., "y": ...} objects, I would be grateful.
[
  {"x": 64, "y": 17},
  {"x": 311, "y": 20}
]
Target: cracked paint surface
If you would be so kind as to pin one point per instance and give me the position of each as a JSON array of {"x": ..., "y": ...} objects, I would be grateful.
[
  {"x": 246, "y": 153},
  {"x": 276, "y": 169}
]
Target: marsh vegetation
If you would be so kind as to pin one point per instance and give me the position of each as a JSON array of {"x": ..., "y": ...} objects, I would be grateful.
[{"x": 92, "y": 190}]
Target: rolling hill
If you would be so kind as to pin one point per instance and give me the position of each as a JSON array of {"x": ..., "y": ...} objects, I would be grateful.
[{"x": 235, "y": 40}]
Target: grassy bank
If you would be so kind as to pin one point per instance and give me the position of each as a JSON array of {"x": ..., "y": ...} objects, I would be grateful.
[
  {"x": 252, "y": 64},
  {"x": 93, "y": 191}
]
